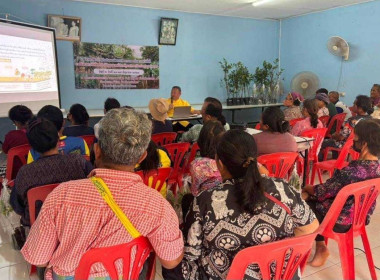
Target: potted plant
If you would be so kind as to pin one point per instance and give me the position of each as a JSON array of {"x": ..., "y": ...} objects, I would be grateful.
[
  {"x": 245, "y": 79},
  {"x": 225, "y": 82},
  {"x": 268, "y": 77}
]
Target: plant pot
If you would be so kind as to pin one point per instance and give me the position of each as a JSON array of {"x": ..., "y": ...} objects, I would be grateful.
[
  {"x": 230, "y": 101},
  {"x": 234, "y": 101},
  {"x": 239, "y": 101},
  {"x": 255, "y": 100},
  {"x": 246, "y": 100}
]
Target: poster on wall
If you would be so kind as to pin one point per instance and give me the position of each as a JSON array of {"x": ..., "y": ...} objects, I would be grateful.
[{"x": 109, "y": 66}]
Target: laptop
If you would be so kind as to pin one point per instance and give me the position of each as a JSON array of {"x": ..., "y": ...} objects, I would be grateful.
[{"x": 182, "y": 112}]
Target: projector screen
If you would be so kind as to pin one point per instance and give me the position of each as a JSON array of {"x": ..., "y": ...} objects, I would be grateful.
[{"x": 28, "y": 67}]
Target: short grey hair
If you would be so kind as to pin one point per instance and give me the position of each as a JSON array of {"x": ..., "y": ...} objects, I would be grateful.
[{"x": 124, "y": 135}]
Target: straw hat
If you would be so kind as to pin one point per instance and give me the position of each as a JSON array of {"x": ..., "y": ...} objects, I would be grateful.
[{"x": 159, "y": 109}]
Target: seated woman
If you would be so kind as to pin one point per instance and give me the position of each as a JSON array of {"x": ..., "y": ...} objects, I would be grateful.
[
  {"x": 323, "y": 100},
  {"x": 79, "y": 118},
  {"x": 19, "y": 115},
  {"x": 363, "y": 109},
  {"x": 159, "y": 108},
  {"x": 244, "y": 202},
  {"x": 51, "y": 168},
  {"x": 211, "y": 110},
  {"x": 321, "y": 197},
  {"x": 156, "y": 157},
  {"x": 203, "y": 170},
  {"x": 310, "y": 112},
  {"x": 293, "y": 101},
  {"x": 275, "y": 137}
]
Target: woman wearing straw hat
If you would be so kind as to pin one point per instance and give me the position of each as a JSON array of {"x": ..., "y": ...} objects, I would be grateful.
[{"x": 159, "y": 110}]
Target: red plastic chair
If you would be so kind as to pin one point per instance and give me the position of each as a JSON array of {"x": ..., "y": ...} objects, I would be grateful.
[
  {"x": 329, "y": 149},
  {"x": 258, "y": 126},
  {"x": 324, "y": 120},
  {"x": 339, "y": 120},
  {"x": 17, "y": 157},
  {"x": 177, "y": 152},
  {"x": 193, "y": 153},
  {"x": 165, "y": 138},
  {"x": 278, "y": 164},
  {"x": 318, "y": 134},
  {"x": 155, "y": 178},
  {"x": 331, "y": 165},
  {"x": 294, "y": 121},
  {"x": 288, "y": 254},
  {"x": 90, "y": 139},
  {"x": 365, "y": 194},
  {"x": 139, "y": 247},
  {"x": 38, "y": 194}
]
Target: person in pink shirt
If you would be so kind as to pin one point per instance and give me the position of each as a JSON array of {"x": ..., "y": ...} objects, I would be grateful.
[
  {"x": 75, "y": 218},
  {"x": 310, "y": 112}
]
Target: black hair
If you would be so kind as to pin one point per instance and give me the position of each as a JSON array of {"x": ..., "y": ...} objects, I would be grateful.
[
  {"x": 297, "y": 102},
  {"x": 364, "y": 102},
  {"x": 215, "y": 112},
  {"x": 208, "y": 137},
  {"x": 111, "y": 103},
  {"x": 152, "y": 160},
  {"x": 42, "y": 135},
  {"x": 177, "y": 87},
  {"x": 53, "y": 114},
  {"x": 274, "y": 118},
  {"x": 214, "y": 102},
  {"x": 368, "y": 131},
  {"x": 79, "y": 114},
  {"x": 311, "y": 106},
  {"x": 20, "y": 113},
  {"x": 237, "y": 151},
  {"x": 322, "y": 90}
]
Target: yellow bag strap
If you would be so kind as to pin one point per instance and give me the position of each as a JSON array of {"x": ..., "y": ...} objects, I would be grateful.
[{"x": 107, "y": 196}]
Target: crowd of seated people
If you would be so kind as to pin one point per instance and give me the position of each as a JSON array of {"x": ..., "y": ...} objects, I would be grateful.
[{"x": 229, "y": 188}]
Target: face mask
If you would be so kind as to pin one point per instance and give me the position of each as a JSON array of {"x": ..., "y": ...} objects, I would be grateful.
[{"x": 355, "y": 147}]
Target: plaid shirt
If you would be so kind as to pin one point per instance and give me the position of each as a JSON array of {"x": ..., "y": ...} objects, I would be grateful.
[{"x": 75, "y": 218}]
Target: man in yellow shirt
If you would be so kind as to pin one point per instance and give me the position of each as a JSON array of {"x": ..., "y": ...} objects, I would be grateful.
[{"x": 176, "y": 101}]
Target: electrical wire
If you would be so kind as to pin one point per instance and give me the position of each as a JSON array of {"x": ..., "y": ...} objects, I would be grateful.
[{"x": 364, "y": 253}]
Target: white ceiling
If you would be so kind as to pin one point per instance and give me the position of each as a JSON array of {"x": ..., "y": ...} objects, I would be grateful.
[{"x": 274, "y": 9}]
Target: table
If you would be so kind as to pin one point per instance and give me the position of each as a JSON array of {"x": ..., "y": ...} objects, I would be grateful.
[
  {"x": 242, "y": 107},
  {"x": 303, "y": 145},
  {"x": 197, "y": 118}
]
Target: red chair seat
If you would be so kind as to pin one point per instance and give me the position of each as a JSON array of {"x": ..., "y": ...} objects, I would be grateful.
[
  {"x": 17, "y": 157},
  {"x": 164, "y": 138}
]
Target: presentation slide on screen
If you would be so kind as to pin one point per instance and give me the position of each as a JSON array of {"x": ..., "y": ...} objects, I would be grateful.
[{"x": 28, "y": 72}]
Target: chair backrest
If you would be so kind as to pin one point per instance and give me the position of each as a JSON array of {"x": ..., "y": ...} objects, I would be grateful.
[
  {"x": 134, "y": 254},
  {"x": 338, "y": 119},
  {"x": 177, "y": 152},
  {"x": 324, "y": 120},
  {"x": 287, "y": 254},
  {"x": 342, "y": 158},
  {"x": 294, "y": 121},
  {"x": 17, "y": 157},
  {"x": 258, "y": 126},
  {"x": 278, "y": 164},
  {"x": 364, "y": 194},
  {"x": 318, "y": 134},
  {"x": 193, "y": 153},
  {"x": 90, "y": 139},
  {"x": 164, "y": 138},
  {"x": 38, "y": 194},
  {"x": 155, "y": 179}
]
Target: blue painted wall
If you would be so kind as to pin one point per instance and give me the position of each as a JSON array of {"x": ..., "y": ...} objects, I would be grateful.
[
  {"x": 304, "y": 41},
  {"x": 202, "y": 41}
]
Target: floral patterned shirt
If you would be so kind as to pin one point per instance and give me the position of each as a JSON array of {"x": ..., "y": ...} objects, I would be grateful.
[
  {"x": 292, "y": 113},
  {"x": 217, "y": 228},
  {"x": 204, "y": 174},
  {"x": 356, "y": 171}
]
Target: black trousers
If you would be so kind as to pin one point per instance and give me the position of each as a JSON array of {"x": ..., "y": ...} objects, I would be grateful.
[
  {"x": 337, "y": 228},
  {"x": 179, "y": 127}
]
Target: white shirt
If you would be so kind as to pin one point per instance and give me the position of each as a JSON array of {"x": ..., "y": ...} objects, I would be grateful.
[{"x": 345, "y": 109}]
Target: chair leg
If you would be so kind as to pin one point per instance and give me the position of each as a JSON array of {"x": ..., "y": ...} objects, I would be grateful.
[
  {"x": 346, "y": 251},
  {"x": 368, "y": 252},
  {"x": 320, "y": 176},
  {"x": 313, "y": 174}
]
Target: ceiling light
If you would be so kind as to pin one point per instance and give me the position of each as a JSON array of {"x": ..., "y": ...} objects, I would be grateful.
[{"x": 260, "y": 2}]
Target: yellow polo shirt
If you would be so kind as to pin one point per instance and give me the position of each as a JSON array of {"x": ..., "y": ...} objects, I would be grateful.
[{"x": 179, "y": 103}]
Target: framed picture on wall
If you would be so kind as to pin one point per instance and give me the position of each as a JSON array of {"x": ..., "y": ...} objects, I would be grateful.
[
  {"x": 66, "y": 27},
  {"x": 168, "y": 31}
]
